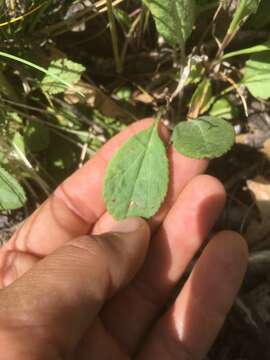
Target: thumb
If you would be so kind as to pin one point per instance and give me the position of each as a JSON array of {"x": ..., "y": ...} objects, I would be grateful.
[{"x": 63, "y": 293}]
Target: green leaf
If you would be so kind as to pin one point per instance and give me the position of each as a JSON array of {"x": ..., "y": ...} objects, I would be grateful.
[
  {"x": 224, "y": 108},
  {"x": 123, "y": 18},
  {"x": 206, "y": 137},
  {"x": 257, "y": 75},
  {"x": 136, "y": 181},
  {"x": 12, "y": 116},
  {"x": 61, "y": 72},
  {"x": 18, "y": 142},
  {"x": 174, "y": 19},
  {"x": 12, "y": 195},
  {"x": 244, "y": 9},
  {"x": 252, "y": 50}
]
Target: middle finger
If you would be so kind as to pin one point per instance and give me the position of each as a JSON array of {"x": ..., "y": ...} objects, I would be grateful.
[{"x": 131, "y": 312}]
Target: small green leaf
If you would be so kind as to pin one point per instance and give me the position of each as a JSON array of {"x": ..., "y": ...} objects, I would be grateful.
[
  {"x": 247, "y": 51},
  {"x": 244, "y": 9},
  {"x": 123, "y": 18},
  {"x": 174, "y": 19},
  {"x": 257, "y": 75},
  {"x": 224, "y": 108},
  {"x": 12, "y": 195},
  {"x": 67, "y": 71},
  {"x": 206, "y": 137},
  {"x": 136, "y": 181}
]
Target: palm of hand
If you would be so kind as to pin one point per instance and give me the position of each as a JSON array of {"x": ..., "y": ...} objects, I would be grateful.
[{"x": 134, "y": 320}]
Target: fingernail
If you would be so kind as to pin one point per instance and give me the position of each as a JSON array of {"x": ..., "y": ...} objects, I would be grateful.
[{"x": 129, "y": 225}]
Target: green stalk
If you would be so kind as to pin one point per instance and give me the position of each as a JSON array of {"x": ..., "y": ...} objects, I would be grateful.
[
  {"x": 238, "y": 18},
  {"x": 117, "y": 58}
]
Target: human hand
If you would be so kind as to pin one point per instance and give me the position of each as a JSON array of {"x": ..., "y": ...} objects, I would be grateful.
[{"x": 102, "y": 295}]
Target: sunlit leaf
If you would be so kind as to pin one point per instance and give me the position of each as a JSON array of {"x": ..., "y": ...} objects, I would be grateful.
[
  {"x": 68, "y": 72},
  {"x": 206, "y": 137},
  {"x": 137, "y": 177}
]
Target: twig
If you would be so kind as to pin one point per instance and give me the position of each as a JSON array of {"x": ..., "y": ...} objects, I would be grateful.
[
  {"x": 128, "y": 37},
  {"x": 236, "y": 87},
  {"x": 184, "y": 74}
]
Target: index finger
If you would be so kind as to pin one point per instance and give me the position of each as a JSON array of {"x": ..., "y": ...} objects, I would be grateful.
[{"x": 75, "y": 206}]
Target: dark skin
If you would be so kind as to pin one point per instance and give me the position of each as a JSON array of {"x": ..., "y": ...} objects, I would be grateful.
[{"x": 78, "y": 285}]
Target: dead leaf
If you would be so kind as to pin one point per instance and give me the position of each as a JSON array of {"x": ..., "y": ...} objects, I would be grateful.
[
  {"x": 260, "y": 189},
  {"x": 144, "y": 98},
  {"x": 243, "y": 139},
  {"x": 97, "y": 99},
  {"x": 266, "y": 148}
]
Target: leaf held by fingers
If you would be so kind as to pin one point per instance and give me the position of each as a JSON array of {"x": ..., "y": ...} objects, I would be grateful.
[
  {"x": 206, "y": 137},
  {"x": 136, "y": 181}
]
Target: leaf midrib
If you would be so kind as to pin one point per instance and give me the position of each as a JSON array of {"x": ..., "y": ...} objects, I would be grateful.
[
  {"x": 139, "y": 169},
  {"x": 203, "y": 136}
]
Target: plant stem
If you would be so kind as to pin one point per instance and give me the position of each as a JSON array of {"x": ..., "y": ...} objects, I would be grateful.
[
  {"x": 184, "y": 73},
  {"x": 128, "y": 38},
  {"x": 117, "y": 58}
]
